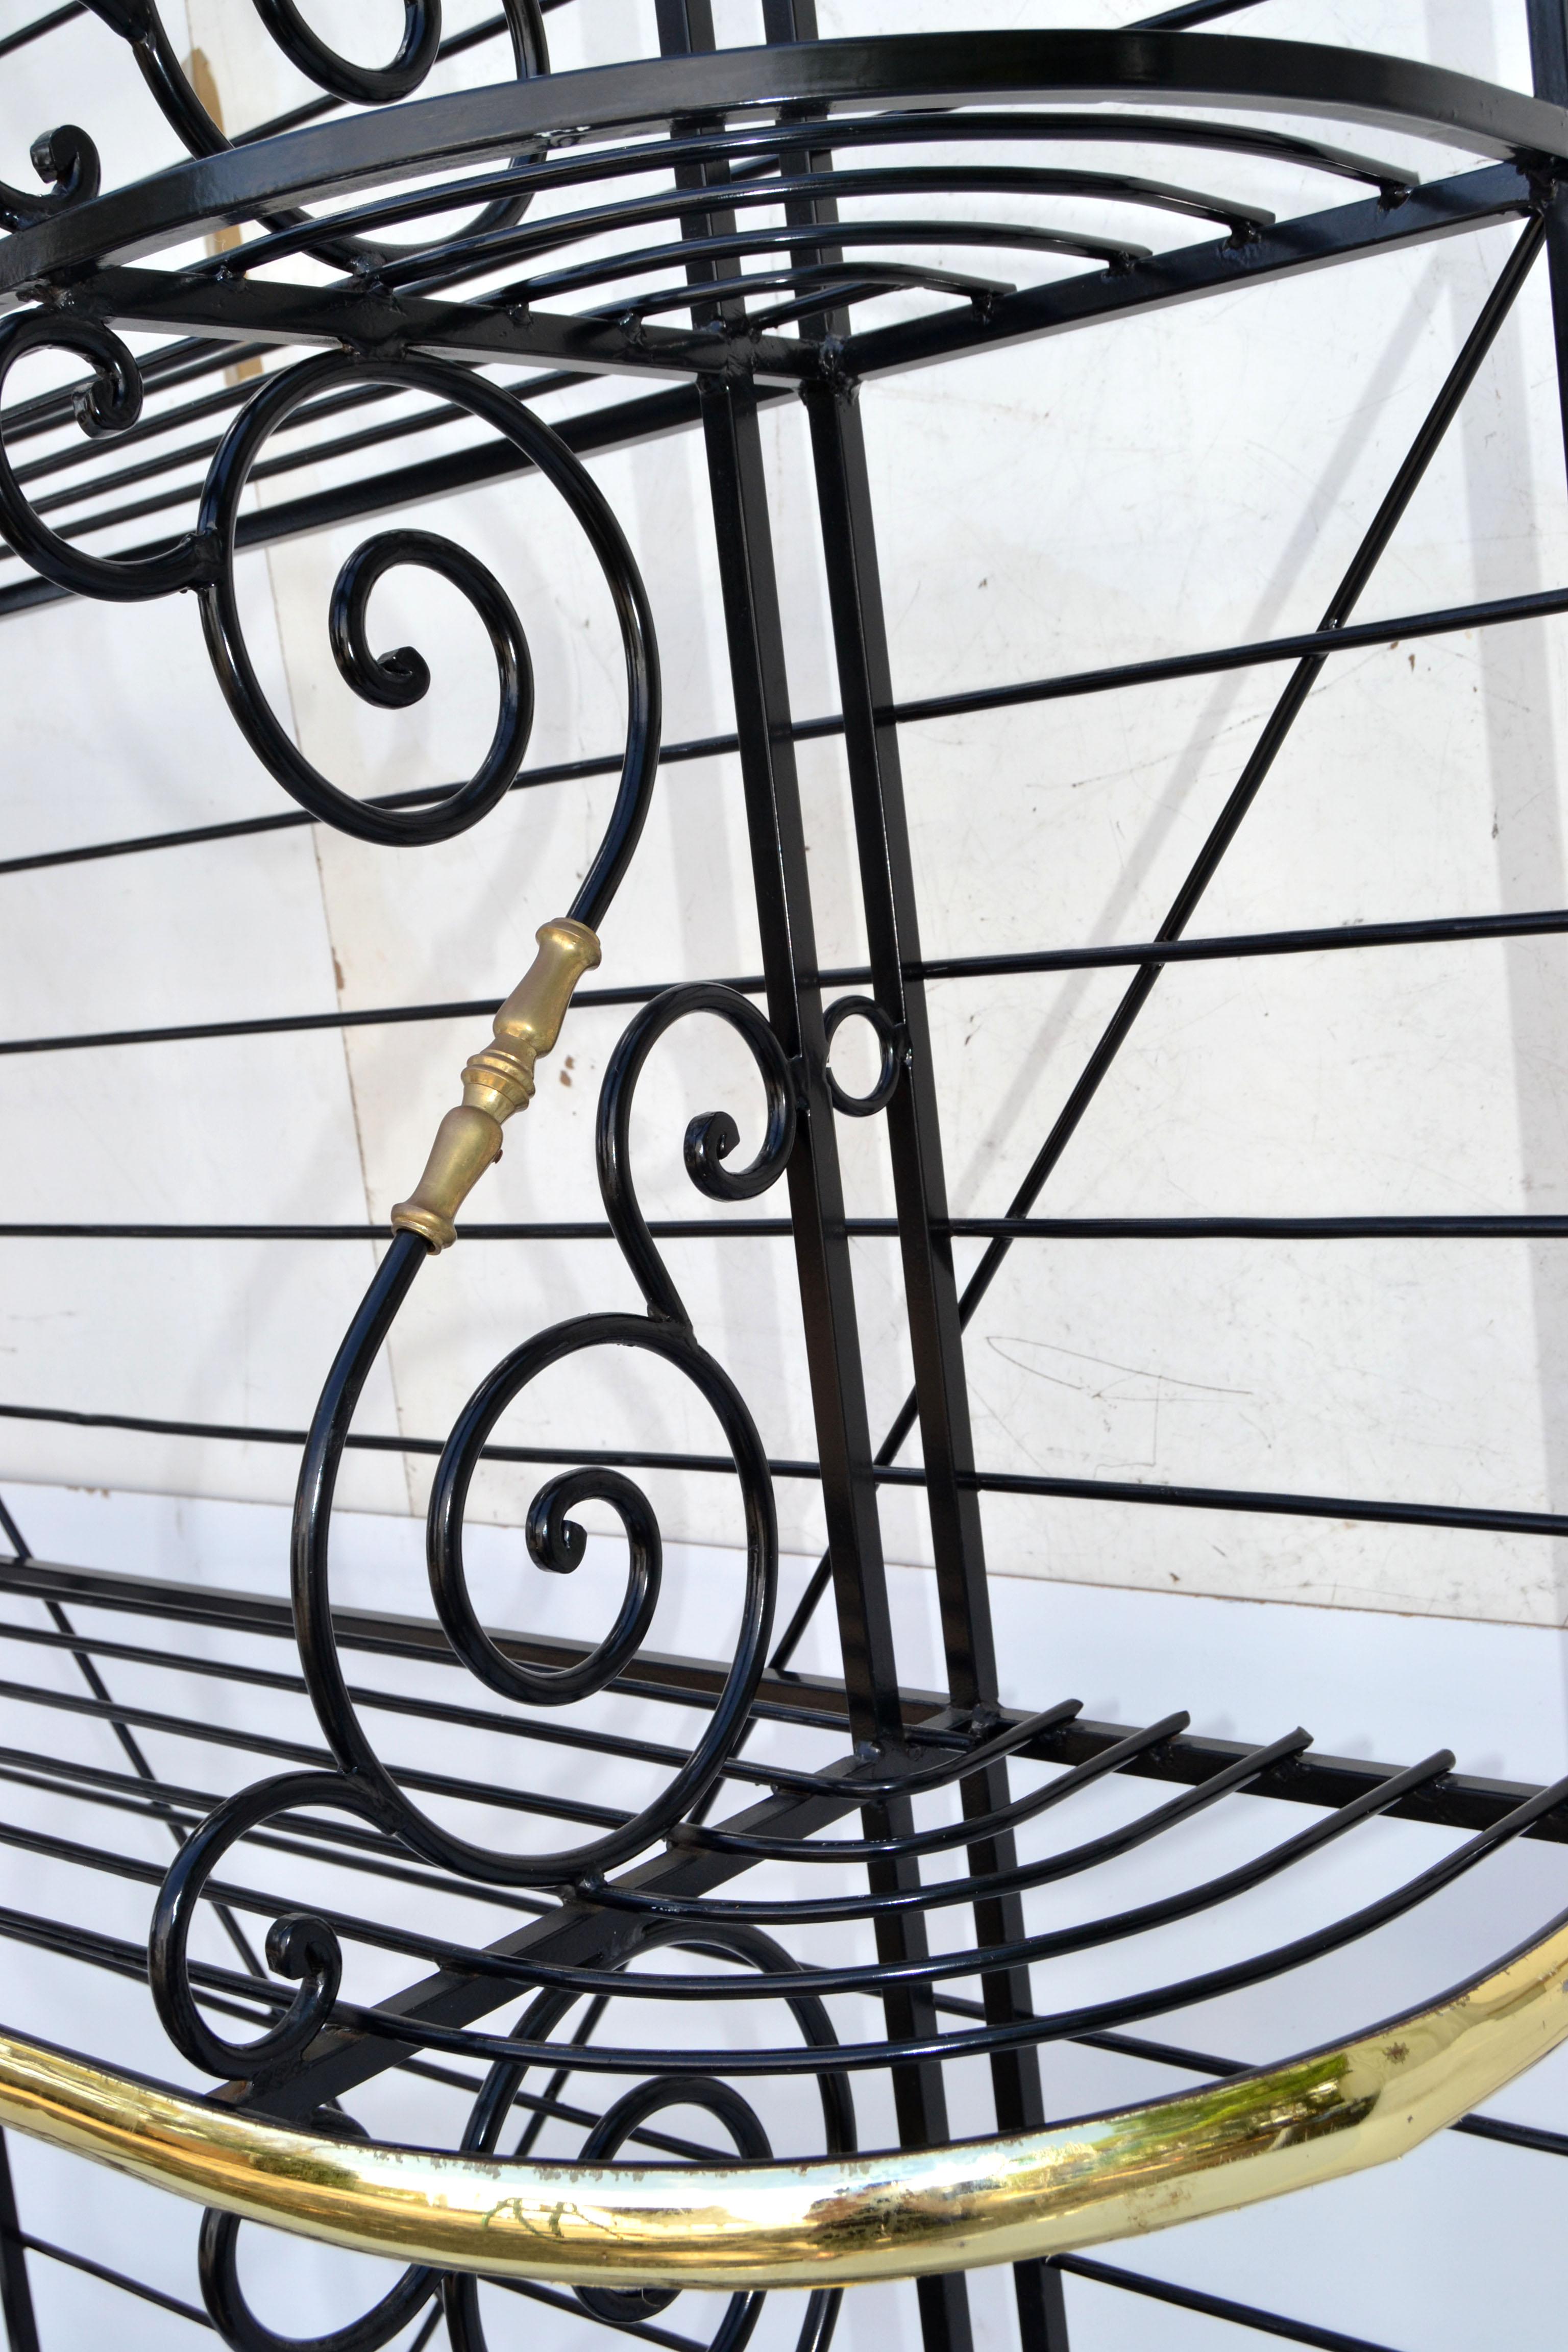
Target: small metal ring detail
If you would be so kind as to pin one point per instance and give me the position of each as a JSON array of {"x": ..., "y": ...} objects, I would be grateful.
[{"x": 893, "y": 1040}]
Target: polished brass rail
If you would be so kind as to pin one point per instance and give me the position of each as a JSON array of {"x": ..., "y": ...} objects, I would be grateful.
[{"x": 826, "y": 2220}]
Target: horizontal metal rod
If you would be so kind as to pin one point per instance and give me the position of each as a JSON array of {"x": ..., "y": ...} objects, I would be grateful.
[
  {"x": 41, "y": 25},
  {"x": 138, "y": 2287},
  {"x": 1195, "y": 12},
  {"x": 1491, "y": 611},
  {"x": 1188, "y": 273},
  {"x": 1457, "y": 1801},
  {"x": 1439, "y": 1227},
  {"x": 294, "y": 1751},
  {"x": 1377, "y": 1511},
  {"x": 1214, "y": 2307},
  {"x": 1438, "y": 931}
]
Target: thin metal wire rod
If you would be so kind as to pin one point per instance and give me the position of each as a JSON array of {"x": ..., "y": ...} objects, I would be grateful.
[
  {"x": 40, "y": 26},
  {"x": 52, "y": 1783},
  {"x": 1538, "y": 1227},
  {"x": 1214, "y": 2306},
  {"x": 1194, "y": 11},
  {"x": 293, "y": 1751},
  {"x": 1019, "y": 2033},
  {"x": 21, "y": 1552},
  {"x": 346, "y": 444},
  {"x": 561, "y": 771},
  {"x": 1243, "y": 1229},
  {"x": 17, "y": 2311},
  {"x": 176, "y": 362},
  {"x": 1287, "y": 707},
  {"x": 554, "y": 1735},
  {"x": 113, "y": 2278},
  {"x": 1539, "y": 604},
  {"x": 1438, "y": 931},
  {"x": 1264, "y": 1503},
  {"x": 66, "y": 1637},
  {"x": 1525, "y": 2136}
]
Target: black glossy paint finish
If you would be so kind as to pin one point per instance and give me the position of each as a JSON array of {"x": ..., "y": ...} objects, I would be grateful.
[{"x": 578, "y": 1917}]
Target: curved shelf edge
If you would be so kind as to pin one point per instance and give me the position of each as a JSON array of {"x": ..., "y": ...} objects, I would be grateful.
[
  {"x": 931, "y": 70},
  {"x": 826, "y": 2221}
]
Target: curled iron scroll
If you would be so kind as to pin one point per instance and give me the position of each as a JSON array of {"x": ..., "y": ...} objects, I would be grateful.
[
  {"x": 140, "y": 24},
  {"x": 623, "y": 2307},
  {"x": 241, "y": 2327},
  {"x": 555, "y": 1543},
  {"x": 892, "y": 1045},
  {"x": 66, "y": 161},
  {"x": 203, "y": 560}
]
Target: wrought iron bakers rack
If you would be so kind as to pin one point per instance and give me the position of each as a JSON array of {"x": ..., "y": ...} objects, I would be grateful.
[{"x": 679, "y": 219}]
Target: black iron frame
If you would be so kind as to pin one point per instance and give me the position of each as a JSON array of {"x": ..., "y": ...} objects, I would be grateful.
[{"x": 576, "y": 1932}]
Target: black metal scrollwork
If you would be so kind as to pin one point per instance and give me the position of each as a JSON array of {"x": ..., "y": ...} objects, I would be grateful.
[
  {"x": 109, "y": 402},
  {"x": 709, "y": 1140},
  {"x": 217, "y": 2265},
  {"x": 621, "y": 2122},
  {"x": 299, "y": 1946},
  {"x": 67, "y": 159},
  {"x": 203, "y": 560},
  {"x": 555, "y": 1542},
  {"x": 304, "y": 1947},
  {"x": 628, "y": 2306},
  {"x": 139, "y": 23},
  {"x": 890, "y": 1038},
  {"x": 362, "y": 85}
]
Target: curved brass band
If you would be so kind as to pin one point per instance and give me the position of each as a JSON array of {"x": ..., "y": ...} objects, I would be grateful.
[
  {"x": 827, "y": 2220},
  {"x": 498, "y": 1081}
]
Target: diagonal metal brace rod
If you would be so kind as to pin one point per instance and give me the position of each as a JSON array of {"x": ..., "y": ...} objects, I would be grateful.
[
  {"x": 1281, "y": 718},
  {"x": 139, "y": 1765}
]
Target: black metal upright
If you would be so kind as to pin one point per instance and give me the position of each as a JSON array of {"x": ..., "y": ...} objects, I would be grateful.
[
  {"x": 754, "y": 629},
  {"x": 1548, "y": 21},
  {"x": 16, "y": 2288}
]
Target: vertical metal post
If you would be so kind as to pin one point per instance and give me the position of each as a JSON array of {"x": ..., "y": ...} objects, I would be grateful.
[
  {"x": 16, "y": 2288},
  {"x": 1548, "y": 21},
  {"x": 753, "y": 624},
  {"x": 914, "y": 1138},
  {"x": 777, "y": 836},
  {"x": 920, "y": 1189}
]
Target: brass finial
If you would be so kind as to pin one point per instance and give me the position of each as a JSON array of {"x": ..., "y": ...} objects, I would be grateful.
[{"x": 498, "y": 1081}]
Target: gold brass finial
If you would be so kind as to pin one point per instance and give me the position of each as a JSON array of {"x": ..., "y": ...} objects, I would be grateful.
[{"x": 498, "y": 1081}]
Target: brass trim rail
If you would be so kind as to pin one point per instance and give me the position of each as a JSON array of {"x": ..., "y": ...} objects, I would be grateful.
[{"x": 826, "y": 2221}]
